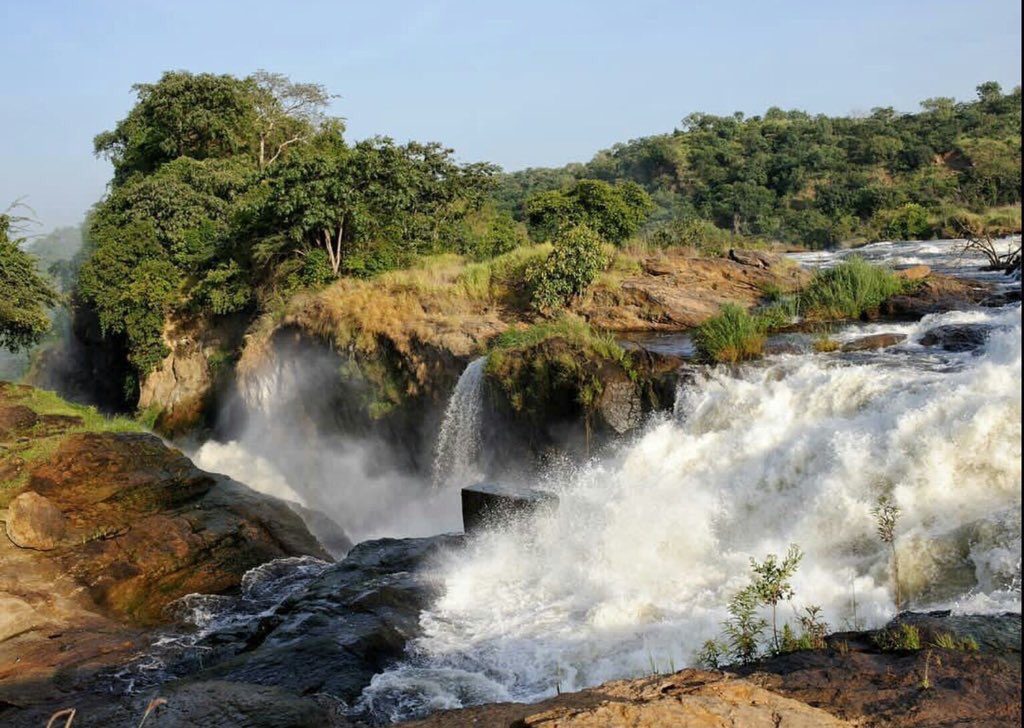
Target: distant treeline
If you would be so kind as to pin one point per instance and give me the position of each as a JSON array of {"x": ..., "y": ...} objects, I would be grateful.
[{"x": 819, "y": 180}]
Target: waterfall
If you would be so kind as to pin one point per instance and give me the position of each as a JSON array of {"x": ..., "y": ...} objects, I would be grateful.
[
  {"x": 456, "y": 457},
  {"x": 637, "y": 564}
]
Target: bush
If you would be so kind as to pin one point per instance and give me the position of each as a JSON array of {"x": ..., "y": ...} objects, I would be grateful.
[
  {"x": 573, "y": 264},
  {"x": 908, "y": 222},
  {"x": 848, "y": 290},
  {"x": 731, "y": 336},
  {"x": 503, "y": 236},
  {"x": 904, "y": 638}
]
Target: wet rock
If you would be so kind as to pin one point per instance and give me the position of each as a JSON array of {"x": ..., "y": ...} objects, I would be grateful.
[
  {"x": 619, "y": 406},
  {"x": 212, "y": 703},
  {"x": 935, "y": 294},
  {"x": 33, "y": 522},
  {"x": 752, "y": 258},
  {"x": 957, "y": 337},
  {"x": 348, "y": 624},
  {"x": 874, "y": 341},
  {"x": 914, "y": 273},
  {"x": 1004, "y": 298},
  {"x": 488, "y": 504}
]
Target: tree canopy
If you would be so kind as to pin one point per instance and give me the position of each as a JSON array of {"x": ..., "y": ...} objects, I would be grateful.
[{"x": 27, "y": 295}]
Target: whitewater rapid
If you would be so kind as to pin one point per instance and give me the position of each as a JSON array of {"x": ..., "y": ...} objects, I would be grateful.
[{"x": 633, "y": 571}]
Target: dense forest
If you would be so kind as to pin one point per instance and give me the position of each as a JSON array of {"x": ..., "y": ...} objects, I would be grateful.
[
  {"x": 229, "y": 194},
  {"x": 818, "y": 180}
]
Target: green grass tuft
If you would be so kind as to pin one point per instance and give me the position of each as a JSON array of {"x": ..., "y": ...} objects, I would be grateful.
[
  {"x": 849, "y": 290},
  {"x": 732, "y": 336}
]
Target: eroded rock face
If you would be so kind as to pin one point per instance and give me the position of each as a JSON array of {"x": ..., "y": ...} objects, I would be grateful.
[
  {"x": 144, "y": 526},
  {"x": 33, "y": 522}
]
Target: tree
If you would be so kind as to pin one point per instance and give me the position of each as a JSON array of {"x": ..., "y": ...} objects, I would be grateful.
[
  {"x": 771, "y": 583},
  {"x": 287, "y": 113},
  {"x": 615, "y": 212},
  {"x": 887, "y": 515},
  {"x": 199, "y": 115},
  {"x": 376, "y": 193},
  {"x": 27, "y": 296},
  {"x": 568, "y": 270}
]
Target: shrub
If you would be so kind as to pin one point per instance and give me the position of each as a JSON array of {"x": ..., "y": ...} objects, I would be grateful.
[
  {"x": 949, "y": 641},
  {"x": 744, "y": 628},
  {"x": 731, "y": 336},
  {"x": 904, "y": 638},
  {"x": 908, "y": 222},
  {"x": 848, "y": 290},
  {"x": 503, "y": 236},
  {"x": 573, "y": 264},
  {"x": 771, "y": 583}
]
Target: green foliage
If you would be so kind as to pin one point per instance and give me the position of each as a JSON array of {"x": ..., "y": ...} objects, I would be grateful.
[
  {"x": 950, "y": 641},
  {"x": 744, "y": 628},
  {"x": 771, "y": 582},
  {"x": 848, "y": 290},
  {"x": 887, "y": 515},
  {"x": 710, "y": 655},
  {"x": 908, "y": 222},
  {"x": 503, "y": 236},
  {"x": 554, "y": 360},
  {"x": 812, "y": 179},
  {"x": 731, "y": 336},
  {"x": 904, "y": 638},
  {"x": 813, "y": 631},
  {"x": 615, "y": 212},
  {"x": 27, "y": 296},
  {"x": 573, "y": 264}
]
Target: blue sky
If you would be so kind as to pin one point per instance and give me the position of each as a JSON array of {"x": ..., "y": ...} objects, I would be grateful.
[{"x": 523, "y": 83}]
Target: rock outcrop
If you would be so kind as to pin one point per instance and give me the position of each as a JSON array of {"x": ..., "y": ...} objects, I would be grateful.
[{"x": 101, "y": 531}]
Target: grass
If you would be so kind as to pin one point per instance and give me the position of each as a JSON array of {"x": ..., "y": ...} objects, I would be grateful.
[
  {"x": 949, "y": 641},
  {"x": 905, "y": 638},
  {"x": 824, "y": 344},
  {"x": 849, "y": 290},
  {"x": 41, "y": 443},
  {"x": 732, "y": 336},
  {"x": 572, "y": 329}
]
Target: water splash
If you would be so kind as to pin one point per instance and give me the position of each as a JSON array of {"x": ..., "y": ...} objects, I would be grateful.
[
  {"x": 639, "y": 560},
  {"x": 456, "y": 459}
]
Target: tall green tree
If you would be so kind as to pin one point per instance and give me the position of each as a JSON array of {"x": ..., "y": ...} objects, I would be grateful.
[
  {"x": 615, "y": 212},
  {"x": 27, "y": 295}
]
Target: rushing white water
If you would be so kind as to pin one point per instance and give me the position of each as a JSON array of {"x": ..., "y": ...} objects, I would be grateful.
[
  {"x": 458, "y": 442},
  {"x": 634, "y": 568},
  {"x": 943, "y": 256}
]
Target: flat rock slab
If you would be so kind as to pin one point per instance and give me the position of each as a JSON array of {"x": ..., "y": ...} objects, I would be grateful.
[
  {"x": 488, "y": 504},
  {"x": 874, "y": 341}
]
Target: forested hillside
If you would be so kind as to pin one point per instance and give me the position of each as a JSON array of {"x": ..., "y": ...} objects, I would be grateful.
[{"x": 820, "y": 180}]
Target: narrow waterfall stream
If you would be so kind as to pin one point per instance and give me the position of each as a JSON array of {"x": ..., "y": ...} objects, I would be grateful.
[{"x": 456, "y": 458}]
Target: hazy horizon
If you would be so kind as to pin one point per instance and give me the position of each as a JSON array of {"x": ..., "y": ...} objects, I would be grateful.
[{"x": 522, "y": 86}]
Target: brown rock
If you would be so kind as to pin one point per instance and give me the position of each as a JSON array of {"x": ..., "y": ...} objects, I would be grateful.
[
  {"x": 936, "y": 294},
  {"x": 15, "y": 419},
  {"x": 33, "y": 522},
  {"x": 687, "y": 698},
  {"x": 752, "y": 258},
  {"x": 874, "y": 341},
  {"x": 914, "y": 273}
]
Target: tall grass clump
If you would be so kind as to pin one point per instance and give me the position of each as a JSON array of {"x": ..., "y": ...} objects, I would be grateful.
[
  {"x": 731, "y": 336},
  {"x": 848, "y": 290}
]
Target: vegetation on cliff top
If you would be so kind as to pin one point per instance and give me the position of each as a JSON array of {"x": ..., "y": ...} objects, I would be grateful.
[
  {"x": 231, "y": 194},
  {"x": 27, "y": 295}
]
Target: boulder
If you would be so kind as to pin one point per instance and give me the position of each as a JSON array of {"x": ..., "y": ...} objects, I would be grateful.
[
  {"x": 957, "y": 337},
  {"x": 33, "y": 522},
  {"x": 874, "y": 341},
  {"x": 752, "y": 258},
  {"x": 914, "y": 273},
  {"x": 144, "y": 526},
  {"x": 489, "y": 504},
  {"x": 16, "y": 419}
]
